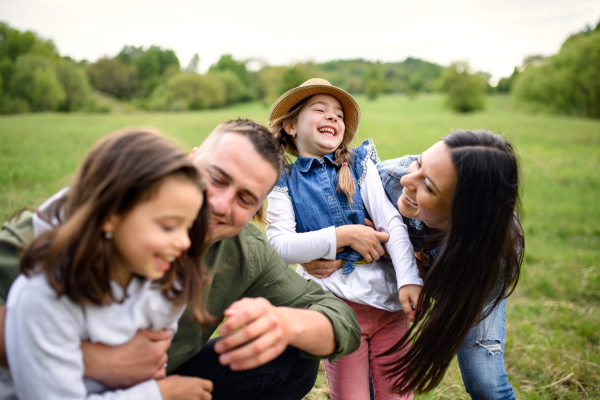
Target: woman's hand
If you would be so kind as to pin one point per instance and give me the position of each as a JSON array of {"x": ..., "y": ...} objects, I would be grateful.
[
  {"x": 177, "y": 387},
  {"x": 409, "y": 297},
  {"x": 363, "y": 239}
]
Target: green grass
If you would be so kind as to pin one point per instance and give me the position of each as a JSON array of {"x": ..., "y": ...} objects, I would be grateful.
[{"x": 553, "y": 319}]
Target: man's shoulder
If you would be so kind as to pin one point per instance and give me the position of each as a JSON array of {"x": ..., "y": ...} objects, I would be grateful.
[{"x": 18, "y": 231}]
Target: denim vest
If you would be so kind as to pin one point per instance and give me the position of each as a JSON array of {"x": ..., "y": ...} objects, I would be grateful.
[{"x": 311, "y": 186}]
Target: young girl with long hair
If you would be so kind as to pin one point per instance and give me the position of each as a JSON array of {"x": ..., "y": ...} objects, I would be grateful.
[
  {"x": 118, "y": 251},
  {"x": 319, "y": 205}
]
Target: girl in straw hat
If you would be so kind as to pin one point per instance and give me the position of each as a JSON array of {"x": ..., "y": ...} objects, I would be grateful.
[{"x": 320, "y": 205}]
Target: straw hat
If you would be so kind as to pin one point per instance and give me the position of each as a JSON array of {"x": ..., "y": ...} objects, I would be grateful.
[{"x": 319, "y": 86}]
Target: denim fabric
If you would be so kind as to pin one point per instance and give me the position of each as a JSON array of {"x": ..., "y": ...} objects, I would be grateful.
[
  {"x": 481, "y": 356},
  {"x": 288, "y": 377},
  {"x": 481, "y": 359},
  {"x": 390, "y": 172},
  {"x": 311, "y": 185}
]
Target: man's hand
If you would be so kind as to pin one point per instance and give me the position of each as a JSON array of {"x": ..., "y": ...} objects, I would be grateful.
[
  {"x": 138, "y": 360},
  {"x": 177, "y": 387},
  {"x": 261, "y": 332},
  {"x": 258, "y": 332},
  {"x": 409, "y": 297}
]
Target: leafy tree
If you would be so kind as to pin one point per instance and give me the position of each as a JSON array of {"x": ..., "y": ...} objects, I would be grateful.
[
  {"x": 227, "y": 63},
  {"x": 35, "y": 81},
  {"x": 235, "y": 90},
  {"x": 373, "y": 82},
  {"x": 505, "y": 85},
  {"x": 567, "y": 82},
  {"x": 111, "y": 76},
  {"x": 292, "y": 78},
  {"x": 75, "y": 84},
  {"x": 194, "y": 64},
  {"x": 189, "y": 91},
  {"x": 150, "y": 64},
  {"x": 465, "y": 91}
]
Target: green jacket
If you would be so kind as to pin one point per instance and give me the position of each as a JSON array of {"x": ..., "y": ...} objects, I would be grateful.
[{"x": 245, "y": 265}]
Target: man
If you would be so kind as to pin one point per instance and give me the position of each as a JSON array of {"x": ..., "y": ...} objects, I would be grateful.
[{"x": 277, "y": 325}]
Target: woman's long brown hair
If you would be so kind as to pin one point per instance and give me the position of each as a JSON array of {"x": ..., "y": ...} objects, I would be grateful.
[
  {"x": 119, "y": 172},
  {"x": 484, "y": 246}
]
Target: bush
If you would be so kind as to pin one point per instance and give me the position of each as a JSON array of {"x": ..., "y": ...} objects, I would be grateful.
[
  {"x": 111, "y": 76},
  {"x": 235, "y": 90},
  {"x": 189, "y": 91},
  {"x": 10, "y": 105},
  {"x": 34, "y": 80},
  {"x": 75, "y": 84},
  {"x": 465, "y": 91},
  {"x": 568, "y": 82}
]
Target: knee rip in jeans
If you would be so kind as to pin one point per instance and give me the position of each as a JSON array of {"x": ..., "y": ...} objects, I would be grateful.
[{"x": 493, "y": 346}]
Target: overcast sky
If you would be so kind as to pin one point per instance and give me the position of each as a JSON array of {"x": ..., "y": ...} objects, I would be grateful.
[{"x": 494, "y": 35}]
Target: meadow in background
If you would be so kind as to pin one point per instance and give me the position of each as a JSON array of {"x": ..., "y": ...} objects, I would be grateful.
[{"x": 553, "y": 319}]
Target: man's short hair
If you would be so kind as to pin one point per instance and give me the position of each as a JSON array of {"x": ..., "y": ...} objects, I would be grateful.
[{"x": 264, "y": 142}]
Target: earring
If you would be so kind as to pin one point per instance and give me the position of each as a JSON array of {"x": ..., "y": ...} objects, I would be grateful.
[
  {"x": 294, "y": 135},
  {"x": 108, "y": 235}
]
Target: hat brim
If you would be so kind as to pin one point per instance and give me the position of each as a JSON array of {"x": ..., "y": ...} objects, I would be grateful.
[{"x": 293, "y": 96}]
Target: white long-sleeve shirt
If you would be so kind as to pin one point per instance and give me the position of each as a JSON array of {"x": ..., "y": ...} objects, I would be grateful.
[
  {"x": 43, "y": 335},
  {"x": 376, "y": 283}
]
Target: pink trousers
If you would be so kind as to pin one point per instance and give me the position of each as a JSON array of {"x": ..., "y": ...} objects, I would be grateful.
[{"x": 348, "y": 376}]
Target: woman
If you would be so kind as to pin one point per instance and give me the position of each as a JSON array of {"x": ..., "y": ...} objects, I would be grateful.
[{"x": 460, "y": 199}]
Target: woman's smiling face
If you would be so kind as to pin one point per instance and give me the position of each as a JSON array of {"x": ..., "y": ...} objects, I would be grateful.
[
  {"x": 429, "y": 187},
  {"x": 319, "y": 128}
]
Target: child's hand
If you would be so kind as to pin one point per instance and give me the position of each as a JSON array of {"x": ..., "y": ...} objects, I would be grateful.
[
  {"x": 177, "y": 387},
  {"x": 409, "y": 297},
  {"x": 363, "y": 239}
]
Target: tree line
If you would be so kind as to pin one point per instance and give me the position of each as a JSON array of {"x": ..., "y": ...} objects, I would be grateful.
[{"x": 34, "y": 77}]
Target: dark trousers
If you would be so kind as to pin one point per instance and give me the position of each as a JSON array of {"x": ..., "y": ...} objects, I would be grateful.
[{"x": 288, "y": 377}]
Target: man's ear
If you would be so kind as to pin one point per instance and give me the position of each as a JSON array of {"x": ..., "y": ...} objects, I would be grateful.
[
  {"x": 193, "y": 153},
  {"x": 289, "y": 128}
]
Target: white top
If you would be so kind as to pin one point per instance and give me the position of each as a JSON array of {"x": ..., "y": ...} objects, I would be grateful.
[
  {"x": 43, "y": 335},
  {"x": 375, "y": 284}
]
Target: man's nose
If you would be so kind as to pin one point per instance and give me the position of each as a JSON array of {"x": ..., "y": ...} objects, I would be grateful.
[{"x": 220, "y": 202}]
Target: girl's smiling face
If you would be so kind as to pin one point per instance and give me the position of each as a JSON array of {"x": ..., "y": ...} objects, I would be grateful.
[
  {"x": 154, "y": 233},
  {"x": 319, "y": 127}
]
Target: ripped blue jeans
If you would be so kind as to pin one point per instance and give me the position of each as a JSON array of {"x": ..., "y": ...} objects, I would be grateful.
[{"x": 481, "y": 358}]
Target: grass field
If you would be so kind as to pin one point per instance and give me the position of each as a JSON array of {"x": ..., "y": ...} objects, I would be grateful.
[{"x": 553, "y": 319}]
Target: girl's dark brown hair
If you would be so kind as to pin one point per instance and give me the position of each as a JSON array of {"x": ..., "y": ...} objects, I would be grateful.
[
  {"x": 343, "y": 154},
  {"x": 119, "y": 172},
  {"x": 483, "y": 248}
]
